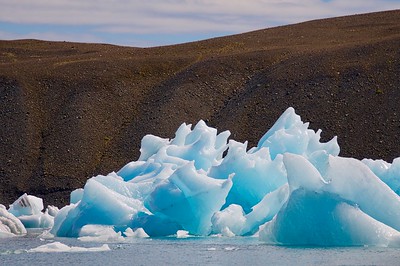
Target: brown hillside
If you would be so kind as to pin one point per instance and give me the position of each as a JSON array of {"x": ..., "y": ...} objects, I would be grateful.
[{"x": 70, "y": 111}]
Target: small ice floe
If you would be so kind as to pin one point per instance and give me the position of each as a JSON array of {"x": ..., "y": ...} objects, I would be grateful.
[
  {"x": 138, "y": 233},
  {"x": 182, "y": 234},
  {"x": 60, "y": 247},
  {"x": 99, "y": 233},
  {"x": 231, "y": 248}
]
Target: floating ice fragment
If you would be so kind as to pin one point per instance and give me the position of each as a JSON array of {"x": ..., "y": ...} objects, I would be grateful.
[
  {"x": 106, "y": 200},
  {"x": 182, "y": 234},
  {"x": 28, "y": 209},
  {"x": 138, "y": 233},
  {"x": 99, "y": 233},
  {"x": 9, "y": 224},
  {"x": 353, "y": 208},
  {"x": 231, "y": 248},
  {"x": 60, "y": 247},
  {"x": 26, "y": 205}
]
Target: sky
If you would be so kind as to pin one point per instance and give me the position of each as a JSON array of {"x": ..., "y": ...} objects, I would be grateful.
[{"x": 147, "y": 23}]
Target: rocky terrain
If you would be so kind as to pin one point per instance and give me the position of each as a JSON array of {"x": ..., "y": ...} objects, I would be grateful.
[{"x": 69, "y": 111}]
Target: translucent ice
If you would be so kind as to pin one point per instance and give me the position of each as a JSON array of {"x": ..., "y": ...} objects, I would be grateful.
[
  {"x": 189, "y": 198},
  {"x": 345, "y": 205},
  {"x": 290, "y": 134},
  {"x": 296, "y": 188},
  {"x": 26, "y": 205},
  {"x": 29, "y": 208},
  {"x": 260, "y": 170},
  {"x": 107, "y": 200},
  {"x": 387, "y": 172},
  {"x": 233, "y": 221}
]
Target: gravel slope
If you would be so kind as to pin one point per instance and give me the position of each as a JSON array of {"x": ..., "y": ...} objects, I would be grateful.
[{"x": 70, "y": 111}]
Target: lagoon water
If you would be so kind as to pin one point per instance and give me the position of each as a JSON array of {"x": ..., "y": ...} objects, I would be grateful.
[{"x": 191, "y": 251}]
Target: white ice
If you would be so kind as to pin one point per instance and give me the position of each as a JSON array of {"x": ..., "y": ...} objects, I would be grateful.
[
  {"x": 29, "y": 208},
  {"x": 9, "y": 224},
  {"x": 138, "y": 233},
  {"x": 60, "y": 247},
  {"x": 99, "y": 233}
]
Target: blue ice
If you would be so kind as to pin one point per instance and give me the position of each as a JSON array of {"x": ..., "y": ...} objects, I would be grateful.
[{"x": 291, "y": 189}]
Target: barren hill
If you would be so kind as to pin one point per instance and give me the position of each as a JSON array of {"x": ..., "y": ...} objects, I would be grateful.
[{"x": 69, "y": 111}]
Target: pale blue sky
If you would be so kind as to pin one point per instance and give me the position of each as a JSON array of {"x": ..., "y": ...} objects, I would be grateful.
[{"x": 156, "y": 22}]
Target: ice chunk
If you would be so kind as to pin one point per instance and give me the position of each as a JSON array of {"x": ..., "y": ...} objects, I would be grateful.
[
  {"x": 351, "y": 180},
  {"x": 290, "y": 134},
  {"x": 190, "y": 199},
  {"x": 233, "y": 221},
  {"x": 151, "y": 145},
  {"x": 260, "y": 170},
  {"x": 106, "y": 200},
  {"x": 324, "y": 219},
  {"x": 138, "y": 233},
  {"x": 322, "y": 206},
  {"x": 76, "y": 195},
  {"x": 42, "y": 220},
  {"x": 9, "y": 224},
  {"x": 202, "y": 145},
  {"x": 60, "y": 218},
  {"x": 52, "y": 210},
  {"x": 155, "y": 225},
  {"x": 265, "y": 210},
  {"x": 387, "y": 172},
  {"x": 230, "y": 221},
  {"x": 26, "y": 205},
  {"x": 254, "y": 174},
  {"x": 60, "y": 247},
  {"x": 182, "y": 234},
  {"x": 28, "y": 209},
  {"x": 99, "y": 233},
  {"x": 354, "y": 181}
]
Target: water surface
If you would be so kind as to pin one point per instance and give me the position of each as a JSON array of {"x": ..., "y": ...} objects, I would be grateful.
[{"x": 192, "y": 251}]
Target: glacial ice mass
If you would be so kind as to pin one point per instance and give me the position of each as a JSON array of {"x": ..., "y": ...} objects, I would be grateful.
[{"x": 290, "y": 189}]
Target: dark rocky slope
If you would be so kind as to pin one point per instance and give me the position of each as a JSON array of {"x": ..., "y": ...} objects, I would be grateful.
[{"x": 70, "y": 111}]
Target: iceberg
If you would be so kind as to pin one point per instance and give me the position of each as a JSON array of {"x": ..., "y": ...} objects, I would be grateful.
[
  {"x": 291, "y": 189},
  {"x": 29, "y": 208},
  {"x": 345, "y": 205}
]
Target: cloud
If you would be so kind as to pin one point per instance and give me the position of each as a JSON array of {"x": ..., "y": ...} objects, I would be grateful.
[
  {"x": 157, "y": 15},
  {"x": 51, "y": 36},
  {"x": 180, "y": 16}
]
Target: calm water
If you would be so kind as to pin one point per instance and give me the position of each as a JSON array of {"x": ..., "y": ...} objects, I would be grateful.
[{"x": 192, "y": 251}]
